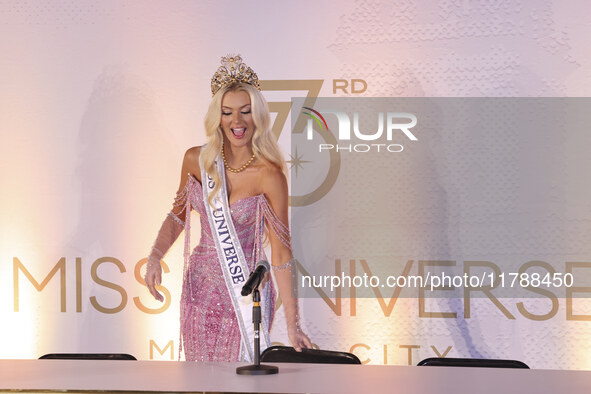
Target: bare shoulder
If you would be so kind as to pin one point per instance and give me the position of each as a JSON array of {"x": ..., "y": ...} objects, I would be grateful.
[
  {"x": 274, "y": 183},
  {"x": 192, "y": 154},
  {"x": 191, "y": 161}
]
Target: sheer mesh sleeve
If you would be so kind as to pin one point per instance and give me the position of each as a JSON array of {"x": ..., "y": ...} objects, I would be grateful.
[{"x": 171, "y": 228}]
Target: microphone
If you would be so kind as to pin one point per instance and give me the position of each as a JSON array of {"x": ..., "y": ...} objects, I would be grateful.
[{"x": 255, "y": 277}]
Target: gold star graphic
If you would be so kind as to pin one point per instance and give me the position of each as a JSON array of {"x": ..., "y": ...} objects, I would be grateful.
[{"x": 296, "y": 161}]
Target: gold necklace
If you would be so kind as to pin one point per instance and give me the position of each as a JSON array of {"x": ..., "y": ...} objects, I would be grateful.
[{"x": 242, "y": 168}]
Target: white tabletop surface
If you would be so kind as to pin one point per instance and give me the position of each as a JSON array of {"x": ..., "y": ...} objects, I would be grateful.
[{"x": 172, "y": 376}]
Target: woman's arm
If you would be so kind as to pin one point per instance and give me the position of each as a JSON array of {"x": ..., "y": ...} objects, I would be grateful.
[
  {"x": 173, "y": 224},
  {"x": 275, "y": 189}
]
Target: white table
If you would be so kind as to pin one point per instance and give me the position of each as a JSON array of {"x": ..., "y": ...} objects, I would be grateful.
[{"x": 169, "y": 376}]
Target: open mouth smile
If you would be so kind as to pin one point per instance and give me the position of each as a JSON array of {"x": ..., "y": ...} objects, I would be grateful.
[{"x": 239, "y": 132}]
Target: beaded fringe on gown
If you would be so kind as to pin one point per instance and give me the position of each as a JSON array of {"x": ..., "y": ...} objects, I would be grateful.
[{"x": 209, "y": 329}]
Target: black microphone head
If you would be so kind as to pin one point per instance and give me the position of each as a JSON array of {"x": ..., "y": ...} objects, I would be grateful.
[
  {"x": 265, "y": 264},
  {"x": 255, "y": 277}
]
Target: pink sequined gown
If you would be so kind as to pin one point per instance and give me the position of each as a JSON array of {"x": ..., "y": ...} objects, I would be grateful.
[{"x": 209, "y": 329}]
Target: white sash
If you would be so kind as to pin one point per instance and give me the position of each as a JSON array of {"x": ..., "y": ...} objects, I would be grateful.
[{"x": 232, "y": 261}]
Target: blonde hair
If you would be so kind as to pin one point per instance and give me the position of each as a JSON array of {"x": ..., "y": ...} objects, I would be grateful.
[{"x": 264, "y": 145}]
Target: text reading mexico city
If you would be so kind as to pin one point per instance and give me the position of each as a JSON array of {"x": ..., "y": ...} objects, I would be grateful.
[{"x": 392, "y": 122}]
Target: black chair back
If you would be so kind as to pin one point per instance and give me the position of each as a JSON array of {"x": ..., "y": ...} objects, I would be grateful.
[
  {"x": 286, "y": 354},
  {"x": 87, "y": 356},
  {"x": 471, "y": 362}
]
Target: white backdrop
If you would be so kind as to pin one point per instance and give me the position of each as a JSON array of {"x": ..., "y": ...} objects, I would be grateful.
[{"x": 99, "y": 100}]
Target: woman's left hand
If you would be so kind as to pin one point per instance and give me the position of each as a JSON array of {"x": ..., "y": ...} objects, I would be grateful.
[{"x": 298, "y": 338}]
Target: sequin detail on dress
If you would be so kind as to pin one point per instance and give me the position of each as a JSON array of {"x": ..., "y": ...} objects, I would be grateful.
[{"x": 209, "y": 330}]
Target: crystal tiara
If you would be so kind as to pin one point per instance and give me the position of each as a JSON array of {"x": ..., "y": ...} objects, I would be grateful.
[{"x": 231, "y": 71}]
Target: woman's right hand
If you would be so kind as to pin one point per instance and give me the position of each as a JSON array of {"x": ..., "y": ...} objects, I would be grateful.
[{"x": 154, "y": 277}]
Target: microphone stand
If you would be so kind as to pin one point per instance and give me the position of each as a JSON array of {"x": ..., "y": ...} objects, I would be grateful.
[{"x": 257, "y": 368}]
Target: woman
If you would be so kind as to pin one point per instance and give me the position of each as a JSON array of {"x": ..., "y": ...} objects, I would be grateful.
[{"x": 237, "y": 184}]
